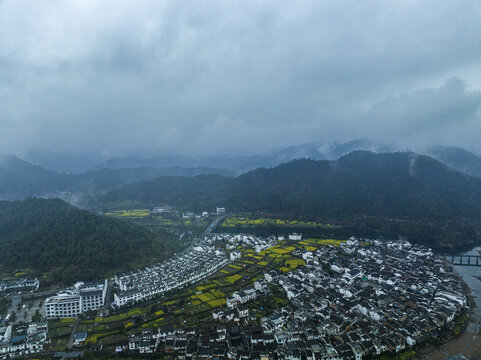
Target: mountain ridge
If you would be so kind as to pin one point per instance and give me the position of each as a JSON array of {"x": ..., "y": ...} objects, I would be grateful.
[{"x": 404, "y": 186}]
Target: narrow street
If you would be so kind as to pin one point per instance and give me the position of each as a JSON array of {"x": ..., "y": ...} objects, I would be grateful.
[
  {"x": 72, "y": 335},
  {"x": 108, "y": 298}
]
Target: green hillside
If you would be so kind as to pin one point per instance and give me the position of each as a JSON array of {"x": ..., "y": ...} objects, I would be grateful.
[
  {"x": 411, "y": 189},
  {"x": 41, "y": 236}
]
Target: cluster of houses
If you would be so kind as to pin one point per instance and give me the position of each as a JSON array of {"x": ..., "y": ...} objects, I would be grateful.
[
  {"x": 23, "y": 340},
  {"x": 219, "y": 211},
  {"x": 192, "y": 215},
  {"x": 18, "y": 286},
  {"x": 236, "y": 304},
  {"x": 232, "y": 242},
  {"x": 382, "y": 298},
  {"x": 347, "y": 302},
  {"x": 191, "y": 265},
  {"x": 72, "y": 302}
]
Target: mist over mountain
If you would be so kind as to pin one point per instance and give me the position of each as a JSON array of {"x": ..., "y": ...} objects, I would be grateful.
[
  {"x": 20, "y": 179},
  {"x": 390, "y": 184},
  {"x": 458, "y": 158},
  {"x": 68, "y": 163},
  {"x": 243, "y": 163}
]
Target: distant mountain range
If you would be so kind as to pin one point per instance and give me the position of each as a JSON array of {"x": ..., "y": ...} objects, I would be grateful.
[
  {"x": 40, "y": 236},
  {"x": 244, "y": 163},
  {"x": 20, "y": 179},
  {"x": 457, "y": 158},
  {"x": 362, "y": 182},
  {"x": 401, "y": 186}
]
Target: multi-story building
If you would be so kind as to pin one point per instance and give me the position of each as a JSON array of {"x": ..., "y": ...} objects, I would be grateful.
[
  {"x": 73, "y": 302},
  {"x": 122, "y": 298},
  {"x": 64, "y": 304},
  {"x": 93, "y": 295}
]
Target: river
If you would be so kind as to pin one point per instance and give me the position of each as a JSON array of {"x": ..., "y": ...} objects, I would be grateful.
[{"x": 468, "y": 274}]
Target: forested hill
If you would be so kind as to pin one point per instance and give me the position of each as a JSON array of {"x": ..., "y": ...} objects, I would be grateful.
[
  {"x": 403, "y": 194},
  {"x": 361, "y": 183},
  {"x": 49, "y": 237}
]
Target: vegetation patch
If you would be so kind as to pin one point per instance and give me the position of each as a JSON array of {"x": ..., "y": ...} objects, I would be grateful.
[
  {"x": 217, "y": 293},
  {"x": 245, "y": 221},
  {"x": 294, "y": 263},
  {"x": 217, "y": 302},
  {"x": 330, "y": 242},
  {"x": 67, "y": 320},
  {"x": 278, "y": 250},
  {"x": 207, "y": 286},
  {"x": 205, "y": 297},
  {"x": 136, "y": 213},
  {"x": 233, "y": 278}
]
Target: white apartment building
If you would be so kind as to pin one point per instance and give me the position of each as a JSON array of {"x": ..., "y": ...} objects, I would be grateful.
[
  {"x": 124, "y": 297},
  {"x": 73, "y": 302},
  {"x": 64, "y": 304}
]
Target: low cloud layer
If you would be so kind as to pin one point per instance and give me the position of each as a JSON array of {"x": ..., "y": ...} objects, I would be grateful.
[{"x": 209, "y": 77}]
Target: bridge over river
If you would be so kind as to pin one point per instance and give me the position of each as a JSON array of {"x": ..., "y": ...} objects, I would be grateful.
[{"x": 465, "y": 260}]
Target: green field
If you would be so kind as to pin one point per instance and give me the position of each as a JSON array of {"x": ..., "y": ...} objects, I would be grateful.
[
  {"x": 246, "y": 221},
  {"x": 167, "y": 220}
]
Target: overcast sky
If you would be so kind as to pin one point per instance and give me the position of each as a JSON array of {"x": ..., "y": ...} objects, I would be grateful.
[{"x": 209, "y": 77}]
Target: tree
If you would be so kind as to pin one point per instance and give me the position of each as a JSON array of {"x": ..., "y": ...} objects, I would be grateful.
[{"x": 36, "y": 317}]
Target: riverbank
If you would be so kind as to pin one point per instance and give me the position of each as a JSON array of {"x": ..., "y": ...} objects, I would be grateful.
[{"x": 467, "y": 344}]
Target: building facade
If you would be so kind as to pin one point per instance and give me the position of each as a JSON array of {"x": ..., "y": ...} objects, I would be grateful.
[{"x": 77, "y": 300}]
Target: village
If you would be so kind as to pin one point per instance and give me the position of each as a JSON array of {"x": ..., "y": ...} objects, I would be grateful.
[
  {"x": 386, "y": 297},
  {"x": 281, "y": 297}
]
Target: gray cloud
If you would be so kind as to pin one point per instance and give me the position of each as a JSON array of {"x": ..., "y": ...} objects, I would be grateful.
[
  {"x": 449, "y": 115},
  {"x": 203, "y": 77}
]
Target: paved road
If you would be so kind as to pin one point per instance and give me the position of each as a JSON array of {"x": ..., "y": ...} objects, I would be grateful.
[
  {"x": 108, "y": 297},
  {"x": 212, "y": 226}
]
